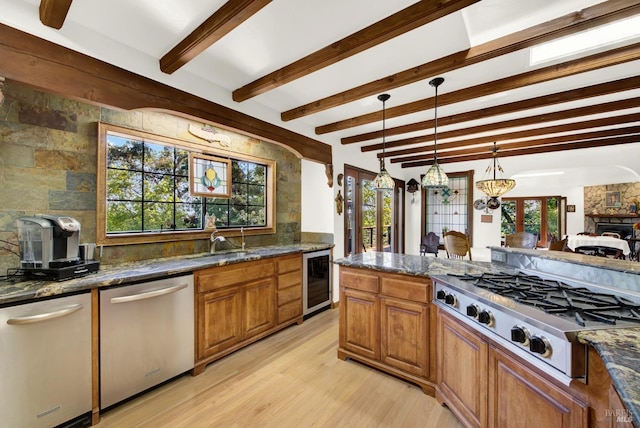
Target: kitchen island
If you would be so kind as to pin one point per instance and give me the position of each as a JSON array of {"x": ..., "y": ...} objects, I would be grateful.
[
  {"x": 387, "y": 320},
  {"x": 384, "y": 313}
]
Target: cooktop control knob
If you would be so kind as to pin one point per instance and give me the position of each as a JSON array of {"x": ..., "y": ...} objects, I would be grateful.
[
  {"x": 540, "y": 345},
  {"x": 473, "y": 311},
  {"x": 441, "y": 294},
  {"x": 520, "y": 334},
  {"x": 486, "y": 317},
  {"x": 451, "y": 299}
]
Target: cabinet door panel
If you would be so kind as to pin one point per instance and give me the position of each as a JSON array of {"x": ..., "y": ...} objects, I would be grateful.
[
  {"x": 462, "y": 370},
  {"x": 360, "y": 323},
  {"x": 220, "y": 322},
  {"x": 403, "y": 340},
  {"x": 259, "y": 310},
  {"x": 518, "y": 397}
]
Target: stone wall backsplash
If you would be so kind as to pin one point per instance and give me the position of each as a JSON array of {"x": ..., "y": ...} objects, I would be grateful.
[{"x": 48, "y": 149}]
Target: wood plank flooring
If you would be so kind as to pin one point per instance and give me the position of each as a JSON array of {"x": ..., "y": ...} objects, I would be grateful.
[{"x": 290, "y": 379}]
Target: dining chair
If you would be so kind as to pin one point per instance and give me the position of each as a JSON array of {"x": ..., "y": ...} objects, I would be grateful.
[
  {"x": 456, "y": 244},
  {"x": 560, "y": 245},
  {"x": 521, "y": 240},
  {"x": 429, "y": 244}
]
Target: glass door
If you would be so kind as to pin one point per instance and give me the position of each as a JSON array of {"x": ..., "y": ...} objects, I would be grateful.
[
  {"x": 372, "y": 216},
  {"x": 540, "y": 215}
]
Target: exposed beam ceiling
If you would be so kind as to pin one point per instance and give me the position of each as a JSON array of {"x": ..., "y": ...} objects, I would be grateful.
[
  {"x": 560, "y": 27},
  {"x": 408, "y": 19},
  {"x": 517, "y": 106},
  {"x": 223, "y": 21},
  {"x": 593, "y": 62},
  {"x": 306, "y": 74}
]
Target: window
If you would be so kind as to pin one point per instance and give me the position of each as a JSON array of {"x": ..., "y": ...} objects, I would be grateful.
[
  {"x": 449, "y": 208},
  {"x": 143, "y": 180}
]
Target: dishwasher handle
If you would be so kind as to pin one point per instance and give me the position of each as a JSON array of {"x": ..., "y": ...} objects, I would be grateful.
[
  {"x": 45, "y": 316},
  {"x": 148, "y": 294}
]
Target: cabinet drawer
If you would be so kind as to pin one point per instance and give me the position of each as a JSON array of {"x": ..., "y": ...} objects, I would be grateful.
[
  {"x": 289, "y": 311},
  {"x": 358, "y": 280},
  {"x": 289, "y": 263},
  {"x": 417, "y": 290},
  {"x": 289, "y": 294},
  {"x": 289, "y": 279},
  {"x": 239, "y": 273}
]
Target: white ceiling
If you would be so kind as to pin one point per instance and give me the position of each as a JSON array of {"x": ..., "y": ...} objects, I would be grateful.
[{"x": 135, "y": 34}]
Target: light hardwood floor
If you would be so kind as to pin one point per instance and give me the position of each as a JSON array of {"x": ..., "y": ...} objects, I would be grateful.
[{"x": 290, "y": 379}]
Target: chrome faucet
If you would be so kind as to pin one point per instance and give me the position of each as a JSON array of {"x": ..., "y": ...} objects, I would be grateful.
[
  {"x": 242, "y": 232},
  {"x": 215, "y": 239}
]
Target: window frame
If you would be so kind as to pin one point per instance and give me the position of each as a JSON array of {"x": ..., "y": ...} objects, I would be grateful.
[
  {"x": 426, "y": 227},
  {"x": 182, "y": 235}
]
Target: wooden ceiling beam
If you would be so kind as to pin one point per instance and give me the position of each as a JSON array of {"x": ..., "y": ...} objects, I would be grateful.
[
  {"x": 54, "y": 12},
  {"x": 513, "y": 107},
  {"x": 514, "y": 123},
  {"x": 609, "y": 121},
  {"x": 550, "y": 148},
  {"x": 41, "y": 64},
  {"x": 560, "y": 27},
  {"x": 408, "y": 19},
  {"x": 596, "y": 61},
  {"x": 222, "y": 22}
]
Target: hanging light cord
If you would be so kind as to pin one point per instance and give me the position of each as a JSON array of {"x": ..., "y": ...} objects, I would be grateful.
[{"x": 435, "y": 129}]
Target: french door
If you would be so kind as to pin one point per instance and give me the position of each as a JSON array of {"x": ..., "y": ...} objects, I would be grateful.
[
  {"x": 542, "y": 215},
  {"x": 374, "y": 219}
]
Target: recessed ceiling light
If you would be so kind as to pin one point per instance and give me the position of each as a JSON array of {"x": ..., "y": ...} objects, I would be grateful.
[{"x": 585, "y": 41}]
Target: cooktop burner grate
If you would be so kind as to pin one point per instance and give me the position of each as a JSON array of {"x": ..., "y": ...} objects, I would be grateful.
[{"x": 558, "y": 298}]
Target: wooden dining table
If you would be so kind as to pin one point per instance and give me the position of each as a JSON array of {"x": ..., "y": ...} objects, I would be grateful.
[{"x": 598, "y": 244}]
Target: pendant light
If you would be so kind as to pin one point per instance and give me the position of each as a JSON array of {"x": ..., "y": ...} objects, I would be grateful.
[
  {"x": 383, "y": 180},
  {"x": 495, "y": 187},
  {"x": 435, "y": 177}
]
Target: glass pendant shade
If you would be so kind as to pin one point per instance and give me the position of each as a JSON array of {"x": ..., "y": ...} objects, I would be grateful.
[
  {"x": 495, "y": 187},
  {"x": 435, "y": 177},
  {"x": 383, "y": 181}
]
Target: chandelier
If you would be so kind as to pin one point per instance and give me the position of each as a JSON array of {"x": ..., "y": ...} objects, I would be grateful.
[
  {"x": 495, "y": 187},
  {"x": 435, "y": 176},
  {"x": 383, "y": 180}
]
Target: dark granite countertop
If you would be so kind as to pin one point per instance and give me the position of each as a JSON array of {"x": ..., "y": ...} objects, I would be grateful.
[
  {"x": 416, "y": 265},
  {"x": 619, "y": 350},
  {"x": 147, "y": 270}
]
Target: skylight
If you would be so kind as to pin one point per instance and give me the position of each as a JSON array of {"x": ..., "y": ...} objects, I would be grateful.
[{"x": 597, "y": 38}]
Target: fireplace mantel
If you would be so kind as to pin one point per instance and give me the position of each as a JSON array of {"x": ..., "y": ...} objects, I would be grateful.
[{"x": 604, "y": 215}]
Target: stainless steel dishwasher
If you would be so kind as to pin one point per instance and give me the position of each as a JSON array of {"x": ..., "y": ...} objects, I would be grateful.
[
  {"x": 45, "y": 363},
  {"x": 146, "y": 336}
]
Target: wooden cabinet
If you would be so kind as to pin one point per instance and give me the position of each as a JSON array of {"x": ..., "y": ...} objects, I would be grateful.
[
  {"x": 240, "y": 303},
  {"x": 462, "y": 371},
  {"x": 386, "y": 321},
  {"x": 289, "y": 294},
  {"x": 518, "y": 397},
  {"x": 485, "y": 386}
]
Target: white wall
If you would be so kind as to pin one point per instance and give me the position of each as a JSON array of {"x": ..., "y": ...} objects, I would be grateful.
[{"x": 317, "y": 209}]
